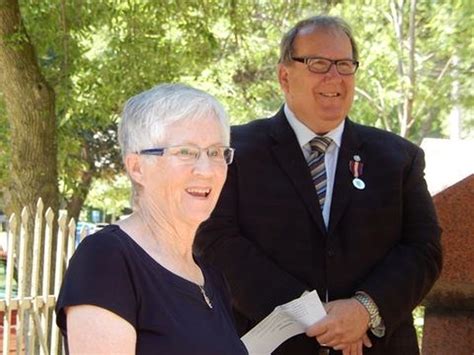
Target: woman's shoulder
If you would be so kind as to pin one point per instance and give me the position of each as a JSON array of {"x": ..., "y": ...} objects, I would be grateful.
[
  {"x": 106, "y": 244},
  {"x": 108, "y": 237}
]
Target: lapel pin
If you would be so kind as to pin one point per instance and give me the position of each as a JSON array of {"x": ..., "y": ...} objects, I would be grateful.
[{"x": 356, "y": 167}]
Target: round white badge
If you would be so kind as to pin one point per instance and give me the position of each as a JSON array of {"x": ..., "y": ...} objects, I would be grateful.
[{"x": 358, "y": 184}]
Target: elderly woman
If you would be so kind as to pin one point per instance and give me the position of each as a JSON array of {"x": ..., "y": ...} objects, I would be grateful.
[{"x": 135, "y": 287}]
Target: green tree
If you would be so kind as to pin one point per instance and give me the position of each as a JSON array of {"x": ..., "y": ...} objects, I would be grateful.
[
  {"x": 95, "y": 54},
  {"x": 29, "y": 102},
  {"x": 407, "y": 67},
  {"x": 110, "y": 198}
]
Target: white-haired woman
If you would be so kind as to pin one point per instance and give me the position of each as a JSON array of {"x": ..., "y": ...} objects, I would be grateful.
[{"x": 135, "y": 287}]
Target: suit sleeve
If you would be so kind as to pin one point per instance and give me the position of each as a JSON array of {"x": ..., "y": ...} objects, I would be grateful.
[
  {"x": 258, "y": 285},
  {"x": 407, "y": 273}
]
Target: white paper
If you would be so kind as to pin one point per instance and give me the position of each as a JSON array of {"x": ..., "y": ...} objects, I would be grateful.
[{"x": 284, "y": 322}]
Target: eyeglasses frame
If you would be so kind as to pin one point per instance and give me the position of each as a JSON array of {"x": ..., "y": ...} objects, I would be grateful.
[
  {"x": 305, "y": 60},
  {"x": 161, "y": 151}
]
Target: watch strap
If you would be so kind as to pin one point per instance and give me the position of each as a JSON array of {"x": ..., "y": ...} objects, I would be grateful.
[{"x": 376, "y": 325}]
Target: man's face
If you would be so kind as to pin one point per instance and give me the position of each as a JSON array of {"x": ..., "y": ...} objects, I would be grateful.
[{"x": 320, "y": 101}]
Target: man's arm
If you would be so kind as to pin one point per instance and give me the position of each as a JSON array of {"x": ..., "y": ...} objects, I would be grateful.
[
  {"x": 404, "y": 277},
  {"x": 407, "y": 273}
]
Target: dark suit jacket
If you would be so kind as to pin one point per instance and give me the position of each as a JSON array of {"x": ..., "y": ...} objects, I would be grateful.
[{"x": 268, "y": 237}]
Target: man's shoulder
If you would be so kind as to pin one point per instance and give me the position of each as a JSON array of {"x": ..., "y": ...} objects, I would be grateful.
[
  {"x": 257, "y": 126},
  {"x": 377, "y": 136},
  {"x": 255, "y": 132},
  {"x": 255, "y": 138}
]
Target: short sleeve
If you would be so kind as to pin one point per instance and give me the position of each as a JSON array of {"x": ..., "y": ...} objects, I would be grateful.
[{"x": 99, "y": 275}]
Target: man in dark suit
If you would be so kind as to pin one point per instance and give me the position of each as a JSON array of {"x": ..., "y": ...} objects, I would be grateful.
[{"x": 316, "y": 201}]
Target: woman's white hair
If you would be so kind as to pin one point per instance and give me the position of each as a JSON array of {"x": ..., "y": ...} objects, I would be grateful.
[{"x": 146, "y": 116}]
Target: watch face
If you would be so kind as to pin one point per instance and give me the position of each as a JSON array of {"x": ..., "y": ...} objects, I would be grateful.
[
  {"x": 375, "y": 320},
  {"x": 378, "y": 331},
  {"x": 376, "y": 325}
]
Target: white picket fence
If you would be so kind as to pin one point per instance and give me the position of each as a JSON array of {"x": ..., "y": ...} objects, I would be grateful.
[{"x": 29, "y": 323}]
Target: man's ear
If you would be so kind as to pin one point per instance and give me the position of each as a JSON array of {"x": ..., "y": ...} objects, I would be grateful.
[
  {"x": 283, "y": 77},
  {"x": 134, "y": 167}
]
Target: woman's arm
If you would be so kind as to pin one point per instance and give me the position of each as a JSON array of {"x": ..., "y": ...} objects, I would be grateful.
[{"x": 95, "y": 330}]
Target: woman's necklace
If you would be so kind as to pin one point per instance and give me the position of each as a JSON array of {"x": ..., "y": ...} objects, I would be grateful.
[
  {"x": 204, "y": 295},
  {"x": 201, "y": 288}
]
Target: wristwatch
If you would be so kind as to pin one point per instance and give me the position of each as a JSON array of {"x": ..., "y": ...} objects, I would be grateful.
[{"x": 376, "y": 325}]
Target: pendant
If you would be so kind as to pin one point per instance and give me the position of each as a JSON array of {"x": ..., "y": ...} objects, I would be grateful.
[
  {"x": 358, "y": 184},
  {"x": 204, "y": 295},
  {"x": 356, "y": 167}
]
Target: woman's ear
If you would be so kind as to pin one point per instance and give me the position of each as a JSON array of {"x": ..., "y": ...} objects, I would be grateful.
[{"x": 134, "y": 167}]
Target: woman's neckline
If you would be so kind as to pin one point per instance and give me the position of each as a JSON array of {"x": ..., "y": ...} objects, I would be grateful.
[{"x": 161, "y": 266}]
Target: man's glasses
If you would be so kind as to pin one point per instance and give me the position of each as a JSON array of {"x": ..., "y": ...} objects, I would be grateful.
[
  {"x": 191, "y": 153},
  {"x": 323, "y": 65}
]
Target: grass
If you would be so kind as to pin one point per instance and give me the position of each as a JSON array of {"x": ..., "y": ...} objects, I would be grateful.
[{"x": 419, "y": 318}]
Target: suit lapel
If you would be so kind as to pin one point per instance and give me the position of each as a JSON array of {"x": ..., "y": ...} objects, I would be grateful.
[
  {"x": 288, "y": 154},
  {"x": 343, "y": 188}
]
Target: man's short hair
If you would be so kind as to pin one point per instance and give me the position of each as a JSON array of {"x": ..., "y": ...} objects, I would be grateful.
[{"x": 317, "y": 22}]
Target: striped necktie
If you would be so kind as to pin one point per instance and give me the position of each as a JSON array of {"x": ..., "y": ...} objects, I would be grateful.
[{"x": 316, "y": 166}]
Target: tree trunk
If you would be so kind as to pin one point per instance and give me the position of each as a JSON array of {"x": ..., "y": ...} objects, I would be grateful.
[
  {"x": 30, "y": 106},
  {"x": 397, "y": 22},
  {"x": 75, "y": 203},
  {"x": 406, "y": 76},
  {"x": 410, "y": 90}
]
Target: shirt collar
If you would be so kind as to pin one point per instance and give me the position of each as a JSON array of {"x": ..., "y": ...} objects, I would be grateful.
[{"x": 304, "y": 134}]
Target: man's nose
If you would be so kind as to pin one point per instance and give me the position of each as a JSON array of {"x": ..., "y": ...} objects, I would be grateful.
[{"x": 333, "y": 73}]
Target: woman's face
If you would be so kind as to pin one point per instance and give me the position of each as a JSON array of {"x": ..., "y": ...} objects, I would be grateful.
[{"x": 185, "y": 191}]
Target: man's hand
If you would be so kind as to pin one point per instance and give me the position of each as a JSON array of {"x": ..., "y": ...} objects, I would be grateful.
[
  {"x": 355, "y": 348},
  {"x": 344, "y": 326}
]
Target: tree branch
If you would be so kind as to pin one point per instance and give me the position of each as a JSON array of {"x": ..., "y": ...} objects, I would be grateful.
[
  {"x": 65, "y": 29},
  {"x": 397, "y": 22},
  {"x": 408, "y": 119},
  {"x": 435, "y": 89},
  {"x": 379, "y": 108}
]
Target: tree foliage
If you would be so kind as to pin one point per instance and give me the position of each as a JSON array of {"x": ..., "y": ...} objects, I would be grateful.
[
  {"x": 111, "y": 198},
  {"x": 442, "y": 30},
  {"x": 96, "y": 54}
]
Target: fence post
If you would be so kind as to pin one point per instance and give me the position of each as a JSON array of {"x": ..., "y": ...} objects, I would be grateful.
[
  {"x": 22, "y": 282},
  {"x": 71, "y": 241},
  {"x": 35, "y": 326},
  {"x": 37, "y": 303},
  {"x": 58, "y": 275},
  {"x": 48, "y": 243}
]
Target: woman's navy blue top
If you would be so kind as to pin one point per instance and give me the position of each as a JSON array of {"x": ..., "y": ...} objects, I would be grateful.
[{"x": 169, "y": 313}]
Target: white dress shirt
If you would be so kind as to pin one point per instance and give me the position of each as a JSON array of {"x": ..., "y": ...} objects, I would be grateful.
[{"x": 304, "y": 136}]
